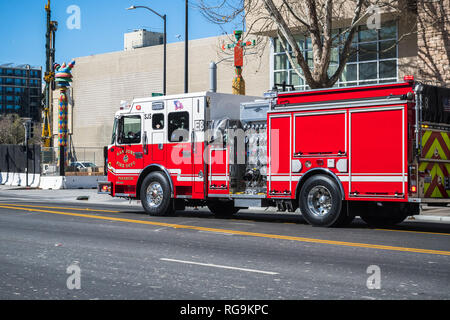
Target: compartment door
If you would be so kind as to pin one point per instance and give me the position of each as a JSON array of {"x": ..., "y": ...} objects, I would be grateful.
[
  {"x": 280, "y": 145},
  {"x": 377, "y": 153},
  {"x": 218, "y": 170}
]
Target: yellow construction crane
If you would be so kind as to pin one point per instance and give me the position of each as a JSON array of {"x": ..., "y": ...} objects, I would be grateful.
[{"x": 49, "y": 77}]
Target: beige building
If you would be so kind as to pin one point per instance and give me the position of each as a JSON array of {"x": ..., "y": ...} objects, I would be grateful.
[
  {"x": 387, "y": 54},
  {"x": 142, "y": 38},
  {"x": 101, "y": 82}
]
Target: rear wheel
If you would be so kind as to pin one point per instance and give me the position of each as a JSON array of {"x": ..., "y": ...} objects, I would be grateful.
[
  {"x": 223, "y": 208},
  {"x": 155, "y": 195},
  {"x": 380, "y": 222},
  {"x": 389, "y": 214},
  {"x": 321, "y": 202}
]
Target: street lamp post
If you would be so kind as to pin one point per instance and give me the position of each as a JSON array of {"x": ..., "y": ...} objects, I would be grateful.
[
  {"x": 164, "y": 17},
  {"x": 186, "y": 50}
]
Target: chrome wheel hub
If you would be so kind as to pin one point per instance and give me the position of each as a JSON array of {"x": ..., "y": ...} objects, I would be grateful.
[
  {"x": 319, "y": 201},
  {"x": 155, "y": 194}
]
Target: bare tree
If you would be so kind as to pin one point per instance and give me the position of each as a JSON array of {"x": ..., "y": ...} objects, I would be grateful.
[
  {"x": 12, "y": 130},
  {"x": 315, "y": 18}
]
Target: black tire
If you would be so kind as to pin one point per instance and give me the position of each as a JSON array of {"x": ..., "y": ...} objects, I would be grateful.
[
  {"x": 389, "y": 214},
  {"x": 156, "y": 195},
  {"x": 384, "y": 221},
  {"x": 320, "y": 202},
  {"x": 223, "y": 209}
]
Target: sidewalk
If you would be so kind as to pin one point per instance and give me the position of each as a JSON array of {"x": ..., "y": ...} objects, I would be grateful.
[
  {"x": 63, "y": 195},
  {"x": 432, "y": 214}
]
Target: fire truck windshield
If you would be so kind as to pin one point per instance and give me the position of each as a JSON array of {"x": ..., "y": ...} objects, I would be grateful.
[{"x": 129, "y": 130}]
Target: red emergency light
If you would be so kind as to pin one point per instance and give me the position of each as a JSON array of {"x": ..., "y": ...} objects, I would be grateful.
[{"x": 409, "y": 78}]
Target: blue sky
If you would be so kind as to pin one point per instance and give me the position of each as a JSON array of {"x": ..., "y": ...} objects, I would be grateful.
[{"x": 103, "y": 23}]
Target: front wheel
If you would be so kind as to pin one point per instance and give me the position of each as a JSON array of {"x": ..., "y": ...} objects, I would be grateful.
[
  {"x": 321, "y": 202},
  {"x": 156, "y": 195}
]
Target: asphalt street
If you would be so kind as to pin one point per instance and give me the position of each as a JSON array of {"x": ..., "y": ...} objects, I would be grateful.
[{"x": 119, "y": 252}]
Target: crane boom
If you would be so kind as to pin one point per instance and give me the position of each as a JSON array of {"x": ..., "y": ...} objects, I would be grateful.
[{"x": 49, "y": 77}]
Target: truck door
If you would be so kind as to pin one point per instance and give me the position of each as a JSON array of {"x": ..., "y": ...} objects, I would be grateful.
[
  {"x": 179, "y": 146},
  {"x": 157, "y": 138},
  {"x": 198, "y": 146},
  {"x": 129, "y": 154},
  {"x": 111, "y": 157}
]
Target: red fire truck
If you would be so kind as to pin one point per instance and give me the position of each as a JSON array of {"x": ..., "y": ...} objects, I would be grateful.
[{"x": 374, "y": 151}]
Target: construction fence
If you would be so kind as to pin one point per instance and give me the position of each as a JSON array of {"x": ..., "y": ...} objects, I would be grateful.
[
  {"x": 14, "y": 159},
  {"x": 80, "y": 161}
]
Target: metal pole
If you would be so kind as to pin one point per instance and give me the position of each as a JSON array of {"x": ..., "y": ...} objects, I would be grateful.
[
  {"x": 27, "y": 133},
  {"x": 186, "y": 51},
  {"x": 212, "y": 77},
  {"x": 165, "y": 56},
  {"x": 62, "y": 161}
]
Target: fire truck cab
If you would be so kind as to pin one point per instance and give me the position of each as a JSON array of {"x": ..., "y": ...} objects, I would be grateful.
[{"x": 375, "y": 151}]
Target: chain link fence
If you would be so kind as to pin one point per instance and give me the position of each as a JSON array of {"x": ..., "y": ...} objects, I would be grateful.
[{"x": 80, "y": 161}]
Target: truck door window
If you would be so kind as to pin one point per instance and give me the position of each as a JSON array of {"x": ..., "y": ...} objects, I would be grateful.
[
  {"x": 113, "y": 138},
  {"x": 158, "y": 121},
  {"x": 178, "y": 127},
  {"x": 130, "y": 130}
]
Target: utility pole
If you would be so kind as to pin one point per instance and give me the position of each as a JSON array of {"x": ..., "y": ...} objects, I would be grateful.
[
  {"x": 29, "y": 133},
  {"x": 186, "y": 51},
  {"x": 164, "y": 17}
]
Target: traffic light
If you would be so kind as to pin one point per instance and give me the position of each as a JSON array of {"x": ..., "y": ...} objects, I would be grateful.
[{"x": 31, "y": 131}]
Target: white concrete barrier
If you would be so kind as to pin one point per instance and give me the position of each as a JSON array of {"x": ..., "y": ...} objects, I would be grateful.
[
  {"x": 19, "y": 179},
  {"x": 82, "y": 182},
  {"x": 50, "y": 182}
]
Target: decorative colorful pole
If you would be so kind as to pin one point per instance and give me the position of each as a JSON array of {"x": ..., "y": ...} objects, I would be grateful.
[
  {"x": 238, "y": 81},
  {"x": 63, "y": 78}
]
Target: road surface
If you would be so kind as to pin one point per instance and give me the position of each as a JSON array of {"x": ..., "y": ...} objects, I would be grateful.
[{"x": 54, "y": 250}]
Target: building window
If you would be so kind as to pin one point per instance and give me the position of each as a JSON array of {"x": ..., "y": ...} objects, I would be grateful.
[{"x": 375, "y": 59}]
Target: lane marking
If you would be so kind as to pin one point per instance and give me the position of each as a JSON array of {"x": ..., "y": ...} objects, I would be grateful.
[
  {"x": 413, "y": 231},
  {"x": 251, "y": 224},
  {"x": 219, "y": 266},
  {"x": 243, "y": 233},
  {"x": 47, "y": 207}
]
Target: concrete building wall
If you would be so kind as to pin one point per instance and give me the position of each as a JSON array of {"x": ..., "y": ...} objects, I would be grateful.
[
  {"x": 101, "y": 82},
  {"x": 142, "y": 38}
]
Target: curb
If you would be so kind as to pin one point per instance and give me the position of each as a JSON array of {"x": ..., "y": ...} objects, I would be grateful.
[{"x": 444, "y": 219}]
